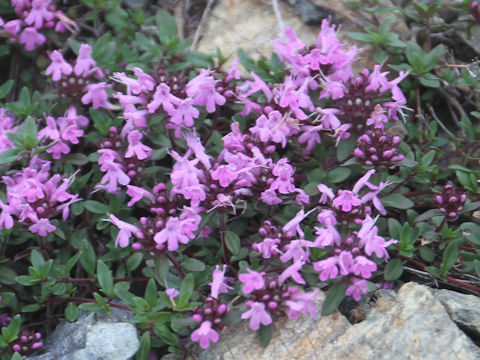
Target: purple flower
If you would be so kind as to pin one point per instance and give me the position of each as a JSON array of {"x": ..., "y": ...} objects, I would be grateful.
[
  {"x": 302, "y": 303},
  {"x": 135, "y": 147},
  {"x": 137, "y": 193},
  {"x": 42, "y": 227},
  {"x": 58, "y": 66},
  {"x": 345, "y": 262},
  {"x": 224, "y": 175},
  {"x": 203, "y": 91},
  {"x": 97, "y": 96},
  {"x": 172, "y": 234},
  {"x": 126, "y": 231},
  {"x": 84, "y": 60},
  {"x": 257, "y": 315},
  {"x": 346, "y": 200},
  {"x": 39, "y": 13},
  {"x": 162, "y": 97},
  {"x": 292, "y": 271},
  {"x": 204, "y": 334},
  {"x": 284, "y": 181},
  {"x": 253, "y": 281},
  {"x": 267, "y": 247},
  {"x": 30, "y": 38},
  {"x": 364, "y": 267},
  {"x": 219, "y": 282},
  {"x": 328, "y": 268},
  {"x": 357, "y": 289}
]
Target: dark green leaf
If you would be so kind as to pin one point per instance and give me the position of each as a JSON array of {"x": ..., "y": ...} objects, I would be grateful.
[
  {"x": 26, "y": 280},
  {"x": 6, "y": 88},
  {"x": 264, "y": 335},
  {"x": 88, "y": 257},
  {"x": 191, "y": 264},
  {"x": 167, "y": 27},
  {"x": 151, "y": 293},
  {"x": 144, "y": 351},
  {"x": 7, "y": 275},
  {"x": 426, "y": 253},
  {"x": 71, "y": 312},
  {"x": 9, "y": 156},
  {"x": 134, "y": 261},
  {"x": 338, "y": 175},
  {"x": 96, "y": 207},
  {"x": 397, "y": 201},
  {"x": 450, "y": 255},
  {"x": 36, "y": 258},
  {"x": 105, "y": 278},
  {"x": 93, "y": 307},
  {"x": 428, "y": 215},
  {"x": 393, "y": 270},
  {"x": 334, "y": 297},
  {"x": 233, "y": 242}
]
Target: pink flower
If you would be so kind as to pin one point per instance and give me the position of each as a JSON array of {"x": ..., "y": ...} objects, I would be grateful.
[
  {"x": 328, "y": 268},
  {"x": 39, "y": 13},
  {"x": 172, "y": 293},
  {"x": 203, "y": 91},
  {"x": 13, "y": 26},
  {"x": 257, "y": 315},
  {"x": 292, "y": 271},
  {"x": 302, "y": 303},
  {"x": 6, "y": 220},
  {"x": 267, "y": 247},
  {"x": 126, "y": 231},
  {"x": 357, "y": 289},
  {"x": 224, "y": 175},
  {"x": 162, "y": 97},
  {"x": 30, "y": 38},
  {"x": 135, "y": 147},
  {"x": 172, "y": 234},
  {"x": 137, "y": 193},
  {"x": 219, "y": 282},
  {"x": 346, "y": 200},
  {"x": 253, "y": 281},
  {"x": 364, "y": 267},
  {"x": 284, "y": 181},
  {"x": 204, "y": 334},
  {"x": 84, "y": 60},
  {"x": 97, "y": 95},
  {"x": 42, "y": 227},
  {"x": 183, "y": 115}
]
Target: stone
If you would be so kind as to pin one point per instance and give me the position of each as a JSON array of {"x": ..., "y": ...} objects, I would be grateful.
[
  {"x": 310, "y": 13},
  {"x": 292, "y": 339},
  {"x": 411, "y": 324},
  {"x": 463, "y": 309},
  {"x": 93, "y": 336},
  {"x": 253, "y": 26}
]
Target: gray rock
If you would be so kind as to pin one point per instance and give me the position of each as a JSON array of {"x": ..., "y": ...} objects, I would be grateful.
[
  {"x": 411, "y": 325},
  {"x": 93, "y": 336},
  {"x": 310, "y": 13},
  {"x": 463, "y": 309}
]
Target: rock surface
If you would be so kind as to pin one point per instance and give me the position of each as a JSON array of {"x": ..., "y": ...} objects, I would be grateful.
[
  {"x": 93, "y": 336},
  {"x": 463, "y": 309},
  {"x": 252, "y": 25},
  {"x": 411, "y": 325}
]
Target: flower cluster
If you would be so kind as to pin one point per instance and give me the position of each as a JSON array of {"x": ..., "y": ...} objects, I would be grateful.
[
  {"x": 34, "y": 16},
  {"x": 272, "y": 297},
  {"x": 450, "y": 201},
  {"x": 351, "y": 256},
  {"x": 378, "y": 147},
  {"x": 27, "y": 341},
  {"x": 6, "y": 127},
  {"x": 35, "y": 198}
]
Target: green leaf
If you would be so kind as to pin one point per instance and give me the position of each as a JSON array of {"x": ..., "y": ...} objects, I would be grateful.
[
  {"x": 105, "y": 278},
  {"x": 334, "y": 297},
  {"x": 360, "y": 36},
  {"x": 471, "y": 231},
  {"x": 187, "y": 285},
  {"x": 338, "y": 175},
  {"x": 26, "y": 280},
  {"x": 449, "y": 258},
  {"x": 191, "y": 264},
  {"x": 72, "y": 262},
  {"x": 88, "y": 257},
  {"x": 264, "y": 335},
  {"x": 13, "y": 328},
  {"x": 101, "y": 120},
  {"x": 30, "y": 307},
  {"x": 476, "y": 266},
  {"x": 134, "y": 261},
  {"x": 71, "y": 312},
  {"x": 428, "y": 215},
  {"x": 29, "y": 132},
  {"x": 397, "y": 201},
  {"x": 144, "y": 351},
  {"x": 198, "y": 59},
  {"x": 9, "y": 156},
  {"x": 92, "y": 307},
  {"x": 7, "y": 275},
  {"x": 345, "y": 148},
  {"x": 151, "y": 293},
  {"x": 426, "y": 253},
  {"x": 117, "y": 18},
  {"x": 36, "y": 258},
  {"x": 393, "y": 270},
  {"x": 233, "y": 242},
  {"x": 6, "y": 88},
  {"x": 96, "y": 207},
  {"x": 167, "y": 28}
]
